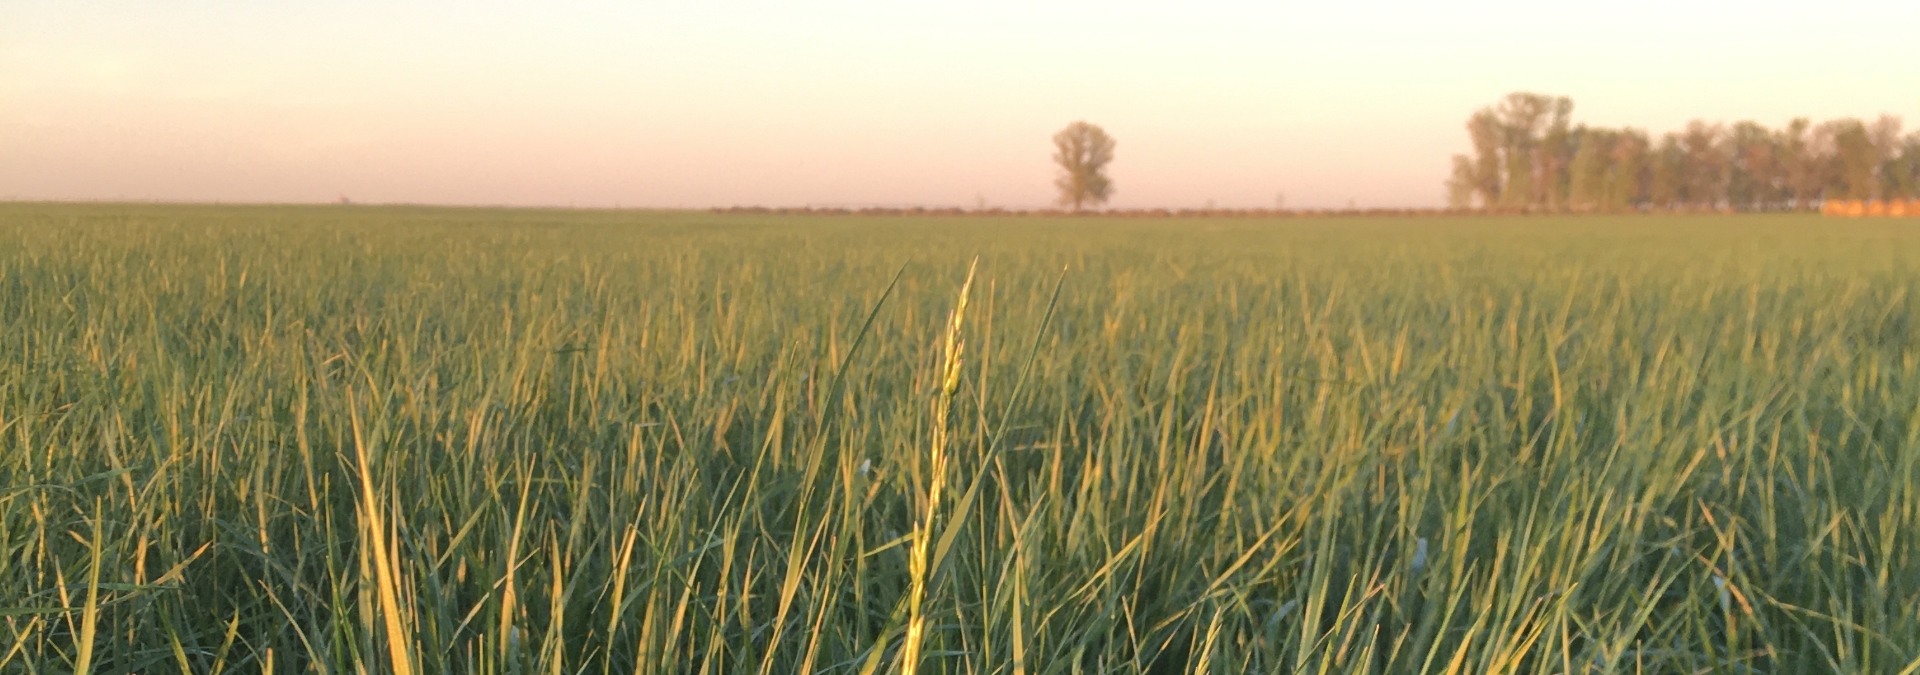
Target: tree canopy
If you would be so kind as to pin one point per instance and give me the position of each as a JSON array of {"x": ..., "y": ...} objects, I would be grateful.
[
  {"x": 1083, "y": 151},
  {"x": 1529, "y": 155}
]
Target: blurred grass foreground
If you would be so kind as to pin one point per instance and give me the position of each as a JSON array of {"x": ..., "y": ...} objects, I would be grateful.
[{"x": 409, "y": 440}]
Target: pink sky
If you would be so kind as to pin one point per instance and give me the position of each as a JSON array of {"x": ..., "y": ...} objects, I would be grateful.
[{"x": 712, "y": 104}]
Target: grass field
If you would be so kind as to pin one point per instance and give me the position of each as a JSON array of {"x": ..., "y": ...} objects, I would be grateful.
[{"x": 347, "y": 440}]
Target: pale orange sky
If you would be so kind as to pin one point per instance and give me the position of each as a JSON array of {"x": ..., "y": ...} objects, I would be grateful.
[{"x": 712, "y": 104}]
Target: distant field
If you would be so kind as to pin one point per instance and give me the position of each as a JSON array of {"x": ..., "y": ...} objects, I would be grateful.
[{"x": 411, "y": 440}]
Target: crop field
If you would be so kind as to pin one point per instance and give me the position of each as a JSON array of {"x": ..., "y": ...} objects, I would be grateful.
[{"x": 411, "y": 440}]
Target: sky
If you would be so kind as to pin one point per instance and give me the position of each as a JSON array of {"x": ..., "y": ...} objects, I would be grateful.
[{"x": 701, "y": 104}]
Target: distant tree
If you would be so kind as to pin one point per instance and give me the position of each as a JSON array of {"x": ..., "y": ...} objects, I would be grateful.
[
  {"x": 1853, "y": 162},
  {"x": 1704, "y": 184},
  {"x": 1557, "y": 147},
  {"x": 1592, "y": 166},
  {"x": 1666, "y": 182},
  {"x": 1462, "y": 183},
  {"x": 1488, "y": 138},
  {"x": 1754, "y": 176},
  {"x": 1627, "y": 181},
  {"x": 1803, "y": 169},
  {"x": 1083, "y": 151},
  {"x": 1884, "y": 133},
  {"x": 1522, "y": 116},
  {"x": 1747, "y": 151},
  {"x": 1903, "y": 179}
]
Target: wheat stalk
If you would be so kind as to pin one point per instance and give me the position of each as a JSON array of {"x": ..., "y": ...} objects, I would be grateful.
[{"x": 936, "y": 483}]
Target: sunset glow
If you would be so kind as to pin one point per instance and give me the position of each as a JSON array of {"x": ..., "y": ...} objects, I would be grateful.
[{"x": 869, "y": 103}]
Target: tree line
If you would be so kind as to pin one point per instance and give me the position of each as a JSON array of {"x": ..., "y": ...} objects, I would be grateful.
[{"x": 1528, "y": 155}]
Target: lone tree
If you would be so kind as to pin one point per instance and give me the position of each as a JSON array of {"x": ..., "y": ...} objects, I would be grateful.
[{"x": 1083, "y": 150}]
